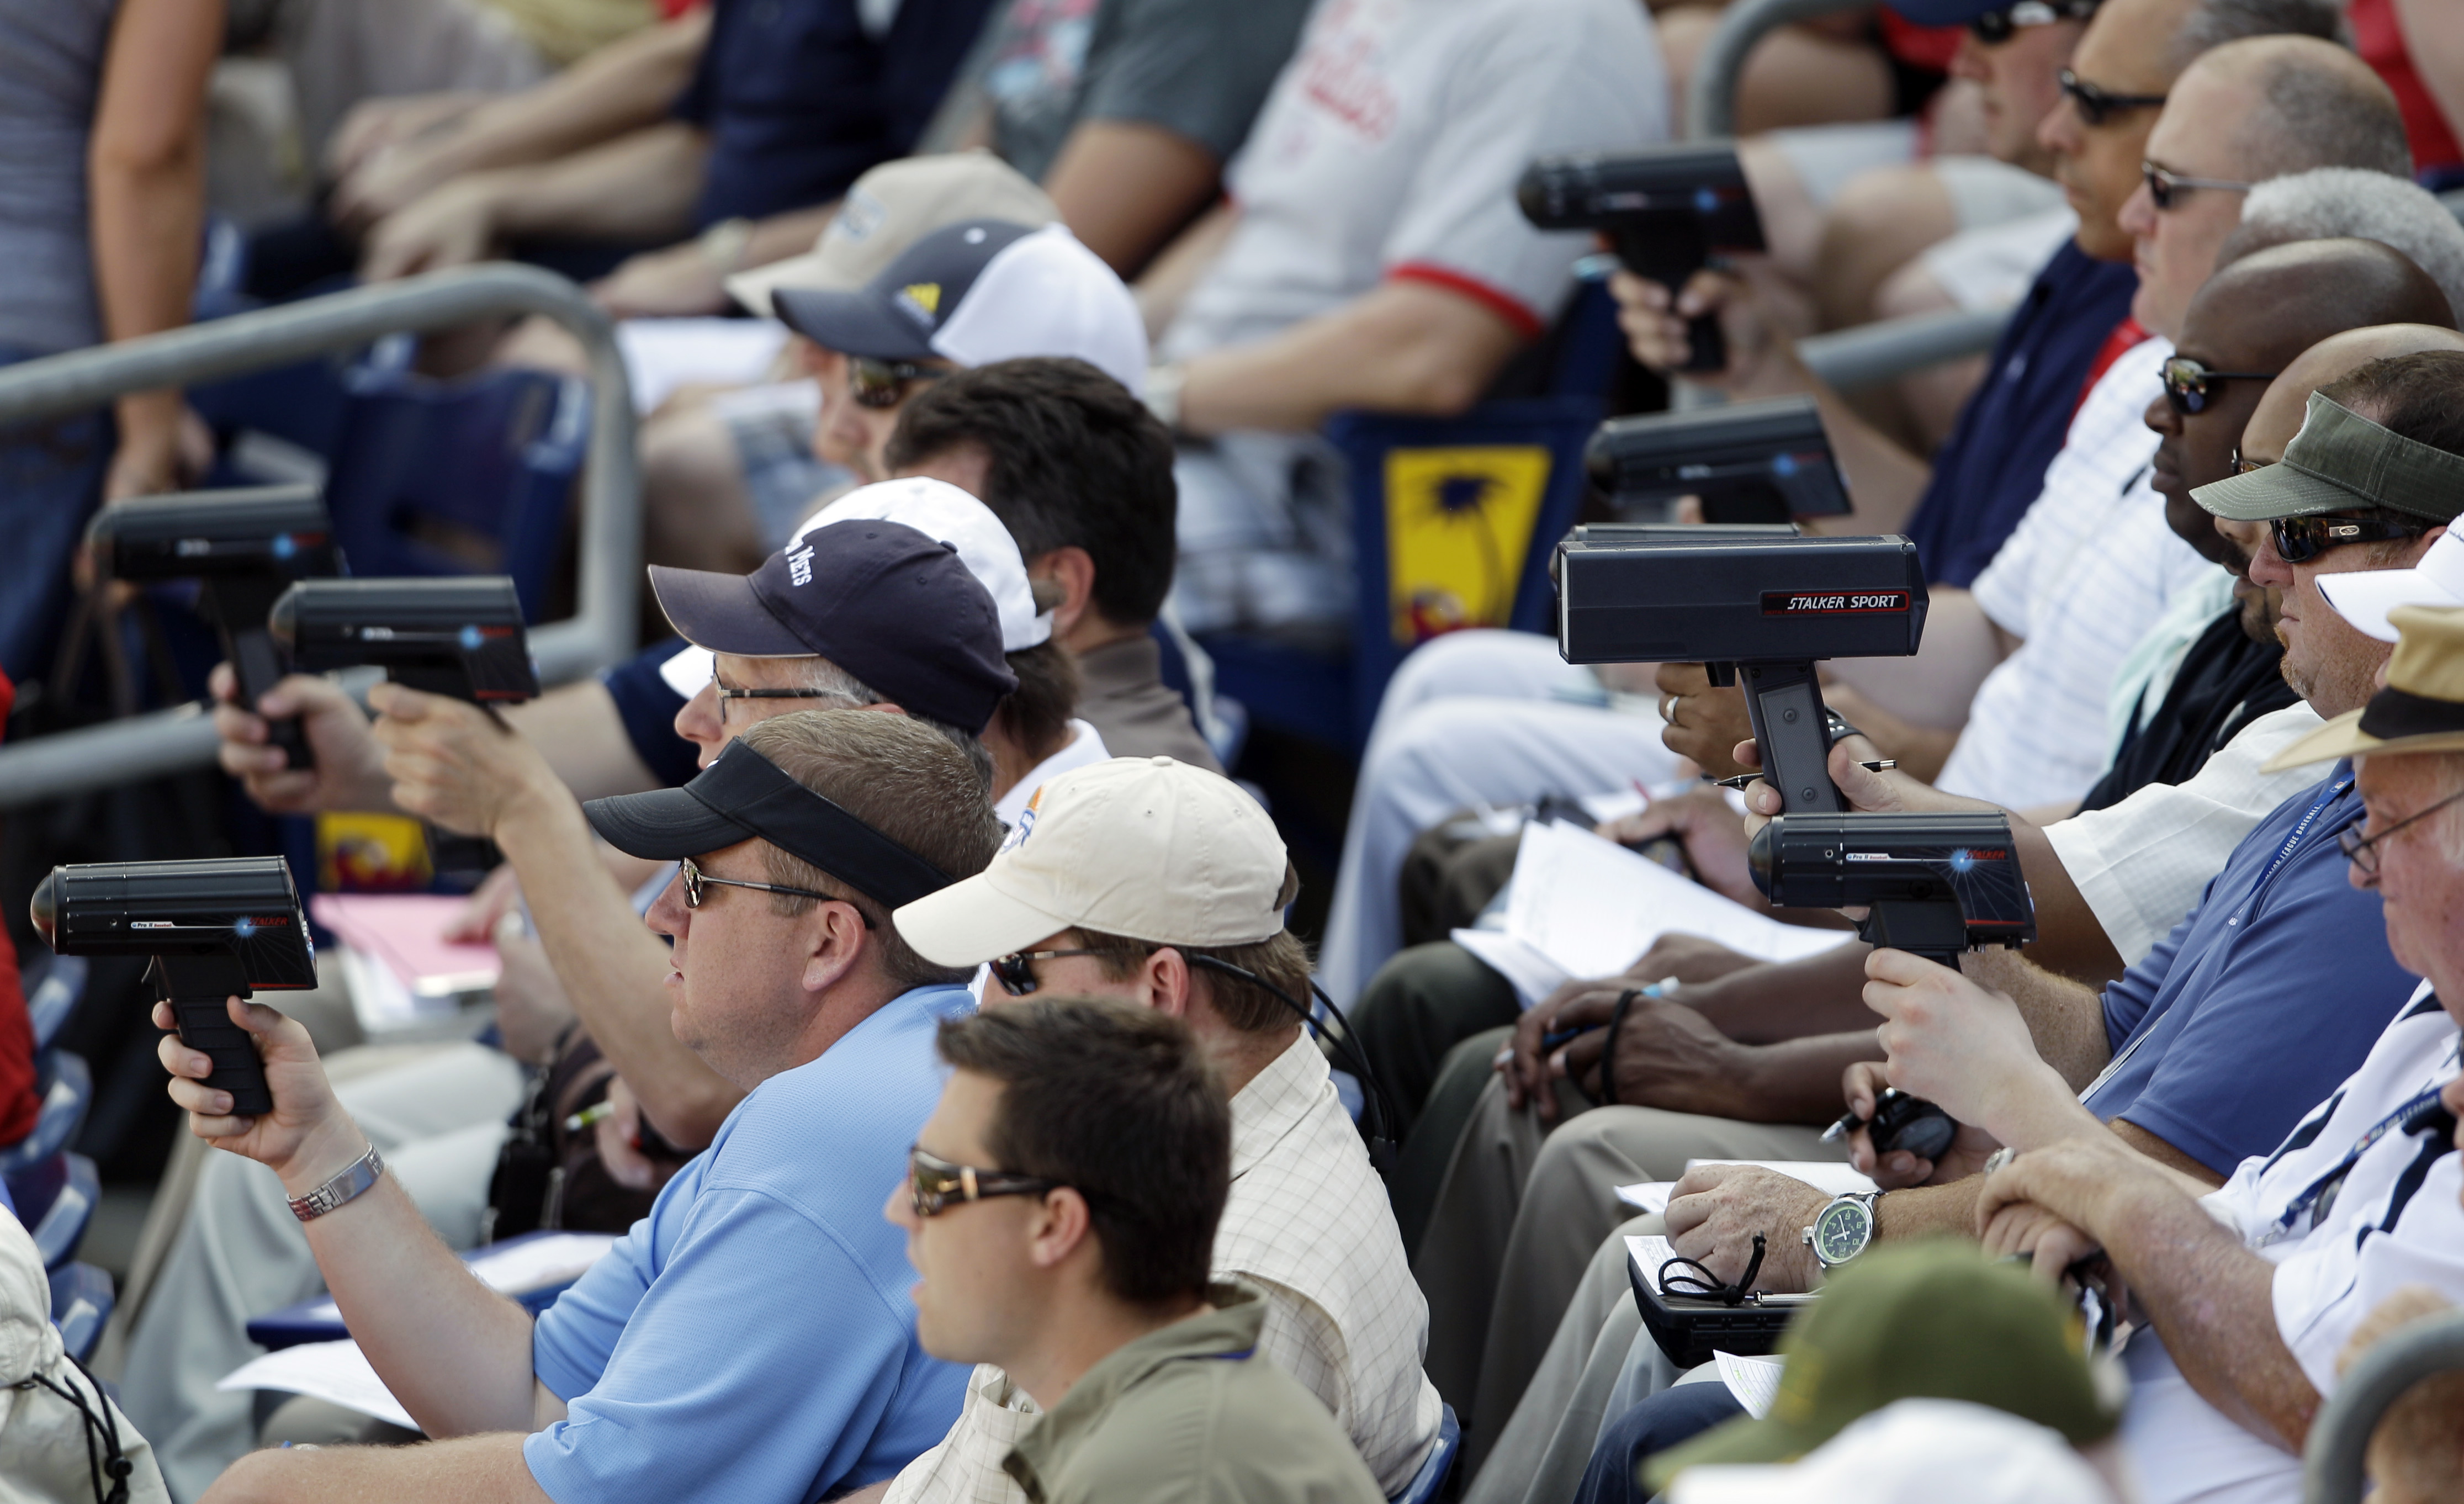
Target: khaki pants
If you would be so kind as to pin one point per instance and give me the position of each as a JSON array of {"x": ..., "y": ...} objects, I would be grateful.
[{"x": 1521, "y": 1215}]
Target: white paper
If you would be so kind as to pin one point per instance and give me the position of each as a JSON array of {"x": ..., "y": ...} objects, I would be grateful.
[
  {"x": 1830, "y": 1177},
  {"x": 663, "y": 354},
  {"x": 335, "y": 1371},
  {"x": 1584, "y": 906},
  {"x": 1533, "y": 975},
  {"x": 556, "y": 1258},
  {"x": 1754, "y": 1382},
  {"x": 1649, "y": 1252}
]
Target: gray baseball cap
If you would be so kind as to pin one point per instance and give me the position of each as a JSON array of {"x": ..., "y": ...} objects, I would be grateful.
[{"x": 2338, "y": 462}]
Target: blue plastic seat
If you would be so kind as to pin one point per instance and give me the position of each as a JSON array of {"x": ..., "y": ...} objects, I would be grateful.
[
  {"x": 469, "y": 476},
  {"x": 1453, "y": 522},
  {"x": 81, "y": 1301},
  {"x": 55, "y": 1201},
  {"x": 54, "y": 989},
  {"x": 1432, "y": 1476},
  {"x": 67, "y": 1090}
]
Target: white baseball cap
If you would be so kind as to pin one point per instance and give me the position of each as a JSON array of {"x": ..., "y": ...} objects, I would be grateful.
[
  {"x": 1913, "y": 1449},
  {"x": 979, "y": 291},
  {"x": 937, "y": 509},
  {"x": 1146, "y": 848},
  {"x": 890, "y": 209},
  {"x": 2363, "y": 597}
]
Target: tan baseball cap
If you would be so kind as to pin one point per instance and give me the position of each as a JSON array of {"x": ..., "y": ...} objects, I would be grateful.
[
  {"x": 1146, "y": 848},
  {"x": 887, "y": 210}
]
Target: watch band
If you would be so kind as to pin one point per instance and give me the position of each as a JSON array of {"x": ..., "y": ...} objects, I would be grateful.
[{"x": 356, "y": 1177}]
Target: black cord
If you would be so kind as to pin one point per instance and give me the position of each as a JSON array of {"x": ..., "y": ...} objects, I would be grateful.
[
  {"x": 1608, "y": 1050},
  {"x": 112, "y": 1463},
  {"x": 1700, "y": 1282},
  {"x": 1373, "y": 1101}
]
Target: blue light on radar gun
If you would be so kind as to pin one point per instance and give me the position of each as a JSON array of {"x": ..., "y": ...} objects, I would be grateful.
[
  {"x": 244, "y": 928},
  {"x": 1784, "y": 464},
  {"x": 284, "y": 546},
  {"x": 1961, "y": 860},
  {"x": 1706, "y": 201},
  {"x": 470, "y": 639}
]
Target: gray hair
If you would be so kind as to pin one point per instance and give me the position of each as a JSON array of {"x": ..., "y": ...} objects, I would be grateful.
[
  {"x": 2216, "y": 22},
  {"x": 2325, "y": 203},
  {"x": 821, "y": 673}
]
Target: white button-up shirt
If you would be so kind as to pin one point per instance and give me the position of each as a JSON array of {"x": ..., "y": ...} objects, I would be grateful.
[{"x": 1308, "y": 1223}]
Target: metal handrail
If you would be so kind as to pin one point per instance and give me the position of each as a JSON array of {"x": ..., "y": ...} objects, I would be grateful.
[
  {"x": 1877, "y": 352},
  {"x": 1711, "y": 93},
  {"x": 2340, "y": 1434},
  {"x": 600, "y": 631}
]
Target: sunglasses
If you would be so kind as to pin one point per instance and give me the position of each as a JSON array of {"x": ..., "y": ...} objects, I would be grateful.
[
  {"x": 2190, "y": 386},
  {"x": 1995, "y": 27},
  {"x": 696, "y": 881},
  {"x": 2362, "y": 851},
  {"x": 2096, "y": 105},
  {"x": 933, "y": 1184},
  {"x": 2299, "y": 539},
  {"x": 1016, "y": 971},
  {"x": 2166, "y": 185},
  {"x": 883, "y": 384},
  {"x": 2243, "y": 467}
]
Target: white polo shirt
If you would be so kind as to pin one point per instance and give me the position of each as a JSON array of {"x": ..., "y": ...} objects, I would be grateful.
[
  {"x": 1306, "y": 1222},
  {"x": 2089, "y": 569},
  {"x": 2394, "y": 1219},
  {"x": 1391, "y": 146}
]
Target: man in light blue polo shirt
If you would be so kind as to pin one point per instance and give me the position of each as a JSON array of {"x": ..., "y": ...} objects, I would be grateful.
[{"x": 752, "y": 1338}]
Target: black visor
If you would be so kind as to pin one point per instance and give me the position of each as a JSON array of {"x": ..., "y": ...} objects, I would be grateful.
[{"x": 744, "y": 795}]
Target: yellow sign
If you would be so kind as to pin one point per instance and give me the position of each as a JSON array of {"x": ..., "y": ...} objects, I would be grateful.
[
  {"x": 1458, "y": 523},
  {"x": 357, "y": 852}
]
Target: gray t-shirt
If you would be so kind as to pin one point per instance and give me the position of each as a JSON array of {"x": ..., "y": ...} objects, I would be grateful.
[
  {"x": 1198, "y": 68},
  {"x": 51, "y": 70}
]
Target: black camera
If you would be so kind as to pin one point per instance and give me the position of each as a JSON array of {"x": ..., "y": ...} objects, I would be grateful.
[
  {"x": 244, "y": 548},
  {"x": 1755, "y": 462},
  {"x": 1934, "y": 885},
  {"x": 216, "y": 929},
  {"x": 1667, "y": 211},
  {"x": 1759, "y": 605},
  {"x": 461, "y": 637}
]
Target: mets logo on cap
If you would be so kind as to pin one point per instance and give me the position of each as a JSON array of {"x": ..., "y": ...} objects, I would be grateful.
[{"x": 1016, "y": 837}]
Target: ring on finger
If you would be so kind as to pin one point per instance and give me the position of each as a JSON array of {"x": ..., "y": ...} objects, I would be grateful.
[{"x": 1667, "y": 716}]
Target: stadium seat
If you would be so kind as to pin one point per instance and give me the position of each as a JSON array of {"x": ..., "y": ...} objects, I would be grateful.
[
  {"x": 66, "y": 1088},
  {"x": 54, "y": 989},
  {"x": 81, "y": 1301},
  {"x": 1453, "y": 522},
  {"x": 55, "y": 1201},
  {"x": 1427, "y": 1483},
  {"x": 466, "y": 477}
]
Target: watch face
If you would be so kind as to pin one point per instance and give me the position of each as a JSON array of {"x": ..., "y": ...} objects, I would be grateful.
[{"x": 1841, "y": 1231}]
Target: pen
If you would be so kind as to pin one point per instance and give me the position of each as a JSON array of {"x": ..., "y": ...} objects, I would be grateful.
[
  {"x": 588, "y": 1116},
  {"x": 1884, "y": 765}
]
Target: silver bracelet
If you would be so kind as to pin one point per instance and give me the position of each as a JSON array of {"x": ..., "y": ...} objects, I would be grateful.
[
  {"x": 356, "y": 1177},
  {"x": 1998, "y": 1159}
]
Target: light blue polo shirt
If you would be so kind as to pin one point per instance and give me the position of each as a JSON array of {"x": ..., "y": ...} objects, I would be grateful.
[{"x": 752, "y": 1339}]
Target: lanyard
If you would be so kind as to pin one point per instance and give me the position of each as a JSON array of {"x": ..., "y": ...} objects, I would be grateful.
[
  {"x": 2283, "y": 854},
  {"x": 2321, "y": 1192}
]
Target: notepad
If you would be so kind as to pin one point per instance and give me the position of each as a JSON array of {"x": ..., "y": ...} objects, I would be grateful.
[
  {"x": 335, "y": 1371},
  {"x": 1830, "y": 1177},
  {"x": 405, "y": 930},
  {"x": 1583, "y": 906},
  {"x": 1753, "y": 1382}
]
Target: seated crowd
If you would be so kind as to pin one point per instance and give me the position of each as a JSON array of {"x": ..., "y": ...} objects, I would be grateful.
[{"x": 989, "y": 352}]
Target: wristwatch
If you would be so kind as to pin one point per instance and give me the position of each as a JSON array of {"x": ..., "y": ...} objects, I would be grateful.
[
  {"x": 356, "y": 1177},
  {"x": 1842, "y": 1229}
]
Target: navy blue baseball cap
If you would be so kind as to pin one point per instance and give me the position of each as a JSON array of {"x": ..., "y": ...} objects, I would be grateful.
[
  {"x": 896, "y": 609},
  {"x": 1959, "y": 12}
]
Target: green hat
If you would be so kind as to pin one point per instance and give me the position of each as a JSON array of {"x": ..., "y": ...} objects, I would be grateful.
[
  {"x": 2339, "y": 461},
  {"x": 1931, "y": 1319}
]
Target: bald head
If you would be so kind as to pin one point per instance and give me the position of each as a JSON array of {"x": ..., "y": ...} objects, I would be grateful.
[
  {"x": 2312, "y": 105},
  {"x": 2305, "y": 290},
  {"x": 2288, "y": 397}
]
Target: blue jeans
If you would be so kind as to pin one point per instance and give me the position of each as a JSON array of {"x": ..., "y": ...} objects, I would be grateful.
[
  {"x": 51, "y": 478},
  {"x": 1667, "y": 1419}
]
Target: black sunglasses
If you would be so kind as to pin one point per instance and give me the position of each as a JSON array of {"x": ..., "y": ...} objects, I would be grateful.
[
  {"x": 696, "y": 881},
  {"x": 2167, "y": 186},
  {"x": 2362, "y": 851},
  {"x": 883, "y": 384},
  {"x": 2189, "y": 384},
  {"x": 2096, "y": 105},
  {"x": 2299, "y": 539},
  {"x": 1016, "y": 971},
  {"x": 934, "y": 1185},
  {"x": 2243, "y": 467},
  {"x": 1995, "y": 27}
]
